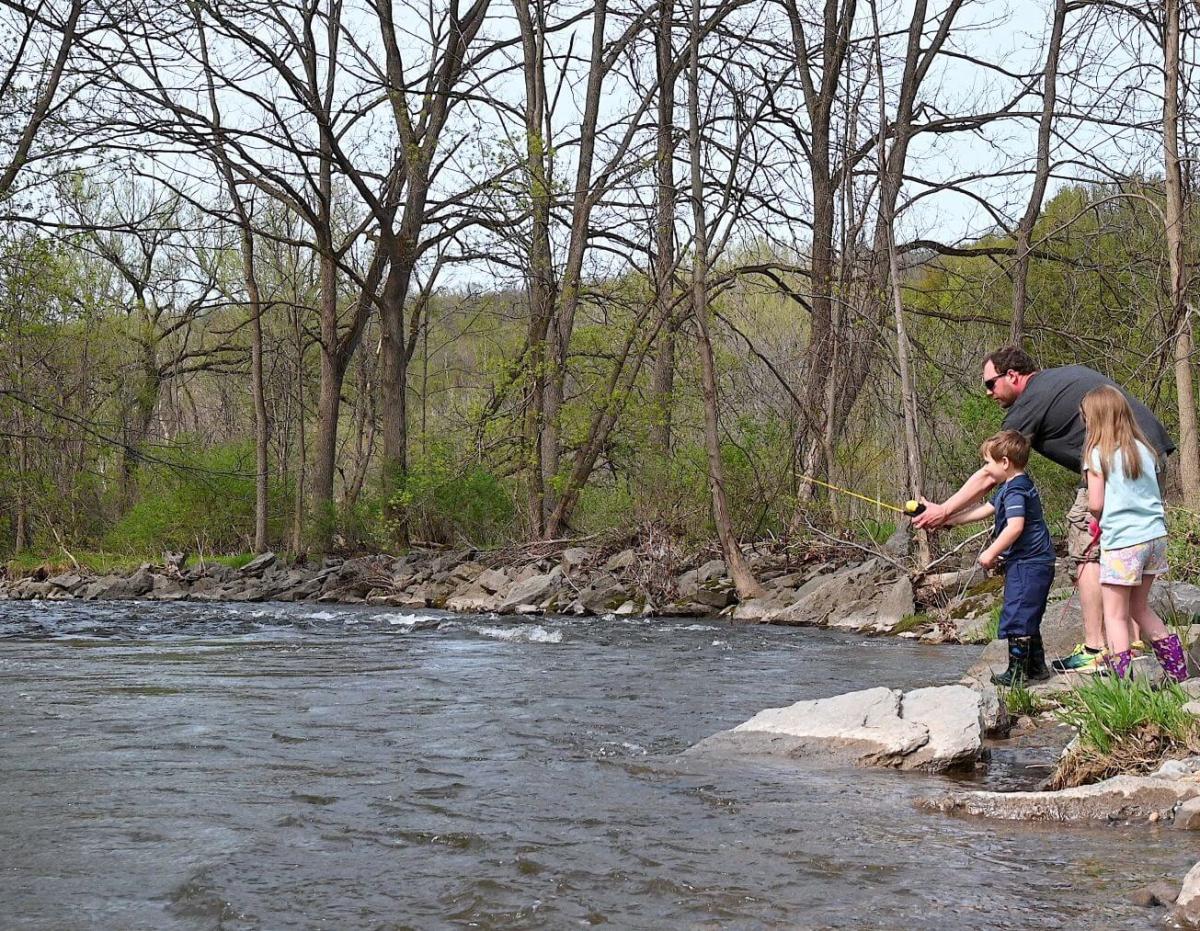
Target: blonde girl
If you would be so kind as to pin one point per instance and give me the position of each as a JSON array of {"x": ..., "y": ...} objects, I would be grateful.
[{"x": 1123, "y": 493}]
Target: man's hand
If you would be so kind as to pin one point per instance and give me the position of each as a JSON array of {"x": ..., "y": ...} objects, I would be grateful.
[
  {"x": 933, "y": 517},
  {"x": 988, "y": 559}
]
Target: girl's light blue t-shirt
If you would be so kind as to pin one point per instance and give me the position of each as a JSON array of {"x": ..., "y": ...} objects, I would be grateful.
[{"x": 1133, "y": 508}]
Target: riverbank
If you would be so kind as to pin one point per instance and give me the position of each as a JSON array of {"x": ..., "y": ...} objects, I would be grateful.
[{"x": 816, "y": 585}]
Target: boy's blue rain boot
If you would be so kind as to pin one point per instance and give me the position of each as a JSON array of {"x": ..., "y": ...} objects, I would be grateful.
[
  {"x": 1037, "y": 659},
  {"x": 1020, "y": 652}
]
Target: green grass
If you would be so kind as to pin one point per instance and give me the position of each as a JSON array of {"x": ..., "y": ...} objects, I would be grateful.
[
  {"x": 985, "y": 632},
  {"x": 911, "y": 622},
  {"x": 1106, "y": 710},
  {"x": 104, "y": 563},
  {"x": 1020, "y": 701},
  {"x": 236, "y": 561}
]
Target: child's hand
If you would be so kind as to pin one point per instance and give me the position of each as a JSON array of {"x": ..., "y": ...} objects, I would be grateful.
[{"x": 988, "y": 559}]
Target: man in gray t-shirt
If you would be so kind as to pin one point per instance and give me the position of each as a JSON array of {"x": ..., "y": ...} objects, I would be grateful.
[{"x": 1044, "y": 405}]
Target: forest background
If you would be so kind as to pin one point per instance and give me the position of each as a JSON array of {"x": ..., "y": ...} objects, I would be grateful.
[{"x": 325, "y": 275}]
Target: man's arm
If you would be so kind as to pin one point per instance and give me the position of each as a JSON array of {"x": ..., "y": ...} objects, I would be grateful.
[
  {"x": 983, "y": 512},
  {"x": 936, "y": 515}
]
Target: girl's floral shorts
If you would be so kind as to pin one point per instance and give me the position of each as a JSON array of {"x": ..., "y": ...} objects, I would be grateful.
[{"x": 1127, "y": 565}]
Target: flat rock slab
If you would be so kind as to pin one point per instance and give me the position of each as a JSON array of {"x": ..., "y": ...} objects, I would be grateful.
[
  {"x": 930, "y": 729},
  {"x": 954, "y": 717},
  {"x": 1122, "y": 798}
]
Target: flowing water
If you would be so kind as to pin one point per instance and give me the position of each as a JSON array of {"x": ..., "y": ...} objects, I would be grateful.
[{"x": 280, "y": 766}]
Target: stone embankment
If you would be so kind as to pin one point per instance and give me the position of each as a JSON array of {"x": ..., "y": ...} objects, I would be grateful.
[{"x": 823, "y": 588}]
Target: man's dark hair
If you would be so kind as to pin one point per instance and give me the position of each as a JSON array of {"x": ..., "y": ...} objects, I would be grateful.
[{"x": 1012, "y": 359}]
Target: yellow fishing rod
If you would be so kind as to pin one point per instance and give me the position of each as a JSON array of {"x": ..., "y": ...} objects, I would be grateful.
[{"x": 910, "y": 509}]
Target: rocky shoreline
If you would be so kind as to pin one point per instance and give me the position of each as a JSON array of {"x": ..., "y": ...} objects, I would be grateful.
[{"x": 824, "y": 587}]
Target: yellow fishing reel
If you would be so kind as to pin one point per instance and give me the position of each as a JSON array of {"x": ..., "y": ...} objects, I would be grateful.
[{"x": 913, "y": 508}]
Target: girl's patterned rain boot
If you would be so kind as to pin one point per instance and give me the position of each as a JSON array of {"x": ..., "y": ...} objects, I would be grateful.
[
  {"x": 1118, "y": 663},
  {"x": 1171, "y": 656}
]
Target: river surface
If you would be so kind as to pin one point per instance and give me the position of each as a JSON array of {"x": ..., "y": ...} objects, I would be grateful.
[{"x": 298, "y": 766}]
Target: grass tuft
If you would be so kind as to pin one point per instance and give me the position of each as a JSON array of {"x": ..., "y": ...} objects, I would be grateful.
[{"x": 1124, "y": 726}]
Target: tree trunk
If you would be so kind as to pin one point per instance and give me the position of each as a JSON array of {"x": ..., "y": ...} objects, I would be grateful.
[
  {"x": 739, "y": 569},
  {"x": 330, "y": 399},
  {"x": 1176, "y": 235},
  {"x": 1041, "y": 175},
  {"x": 540, "y": 273},
  {"x": 663, "y": 381}
]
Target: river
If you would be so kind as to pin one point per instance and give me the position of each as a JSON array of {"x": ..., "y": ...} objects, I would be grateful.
[{"x": 298, "y": 766}]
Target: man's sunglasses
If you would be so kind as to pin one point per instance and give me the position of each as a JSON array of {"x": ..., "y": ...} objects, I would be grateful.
[{"x": 990, "y": 383}]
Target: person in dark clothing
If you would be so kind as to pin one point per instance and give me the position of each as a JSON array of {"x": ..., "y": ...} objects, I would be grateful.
[
  {"x": 1021, "y": 546},
  {"x": 1043, "y": 404}
]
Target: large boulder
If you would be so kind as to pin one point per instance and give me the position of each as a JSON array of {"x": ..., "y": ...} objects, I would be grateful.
[
  {"x": 116, "y": 588},
  {"x": 575, "y": 557},
  {"x": 530, "y": 592},
  {"x": 1180, "y": 598},
  {"x": 493, "y": 580},
  {"x": 604, "y": 593},
  {"x": 928, "y": 729},
  {"x": 881, "y": 613},
  {"x": 67, "y": 581},
  {"x": 473, "y": 599},
  {"x": 258, "y": 565},
  {"x": 954, "y": 717},
  {"x": 626, "y": 559},
  {"x": 1187, "y": 907},
  {"x": 867, "y": 596}
]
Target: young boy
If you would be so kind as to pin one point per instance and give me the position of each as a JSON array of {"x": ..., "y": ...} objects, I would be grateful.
[{"x": 1021, "y": 547}]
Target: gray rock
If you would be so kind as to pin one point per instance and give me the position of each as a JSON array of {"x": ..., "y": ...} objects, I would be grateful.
[
  {"x": 602, "y": 594},
  {"x": 574, "y": 558},
  {"x": 1122, "y": 798},
  {"x": 67, "y": 581},
  {"x": 928, "y": 729},
  {"x": 953, "y": 716},
  {"x": 493, "y": 580},
  {"x": 899, "y": 544},
  {"x": 167, "y": 589},
  {"x": 881, "y": 613},
  {"x": 258, "y": 565},
  {"x": 623, "y": 560},
  {"x": 530, "y": 591},
  {"x": 1187, "y": 905},
  {"x": 1155, "y": 894},
  {"x": 850, "y": 598},
  {"x": 628, "y": 609},
  {"x": 1176, "y": 769},
  {"x": 1176, "y": 598},
  {"x": 473, "y": 599},
  {"x": 1187, "y": 816},
  {"x": 710, "y": 599},
  {"x": 115, "y": 588},
  {"x": 31, "y": 589},
  {"x": 759, "y": 609},
  {"x": 864, "y": 727}
]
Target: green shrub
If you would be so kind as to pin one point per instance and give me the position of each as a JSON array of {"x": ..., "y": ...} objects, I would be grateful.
[
  {"x": 442, "y": 504},
  {"x": 195, "y": 498},
  {"x": 1183, "y": 543},
  {"x": 878, "y": 531},
  {"x": 1106, "y": 710}
]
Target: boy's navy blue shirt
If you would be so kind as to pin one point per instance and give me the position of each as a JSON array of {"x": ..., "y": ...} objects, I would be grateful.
[{"x": 1019, "y": 498}]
